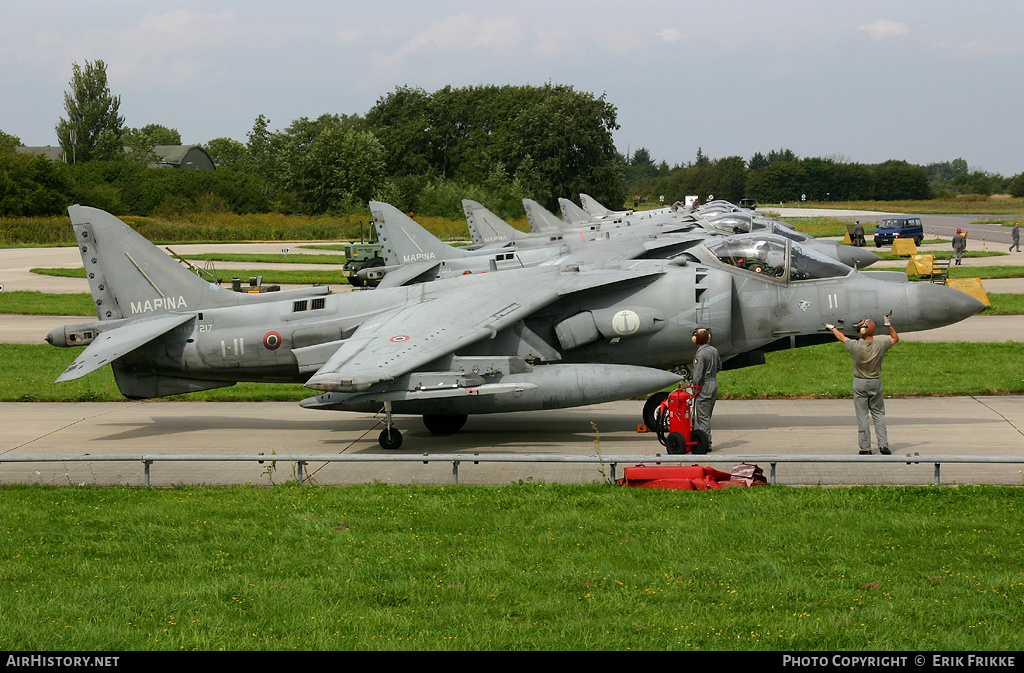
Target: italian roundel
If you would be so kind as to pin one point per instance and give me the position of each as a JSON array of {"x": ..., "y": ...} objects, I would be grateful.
[{"x": 272, "y": 340}]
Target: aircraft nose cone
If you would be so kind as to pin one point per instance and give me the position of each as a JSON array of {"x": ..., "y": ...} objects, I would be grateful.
[
  {"x": 936, "y": 305},
  {"x": 856, "y": 257}
]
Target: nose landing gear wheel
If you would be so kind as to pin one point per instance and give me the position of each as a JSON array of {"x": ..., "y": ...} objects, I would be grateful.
[{"x": 390, "y": 438}]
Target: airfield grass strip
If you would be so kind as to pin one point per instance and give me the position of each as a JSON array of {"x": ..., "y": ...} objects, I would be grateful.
[
  {"x": 520, "y": 567},
  {"x": 281, "y": 276},
  {"x": 939, "y": 254},
  {"x": 225, "y": 228},
  {"x": 268, "y": 258},
  {"x": 824, "y": 371},
  {"x": 911, "y": 369},
  {"x": 972, "y": 205},
  {"x": 27, "y": 302}
]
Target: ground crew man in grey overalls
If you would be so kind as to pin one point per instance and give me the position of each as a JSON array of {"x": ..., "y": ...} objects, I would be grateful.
[
  {"x": 1015, "y": 233},
  {"x": 959, "y": 245},
  {"x": 706, "y": 366},
  {"x": 868, "y": 352},
  {"x": 858, "y": 234}
]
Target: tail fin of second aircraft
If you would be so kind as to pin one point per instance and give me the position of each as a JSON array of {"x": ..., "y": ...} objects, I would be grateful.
[
  {"x": 486, "y": 227},
  {"x": 598, "y": 209},
  {"x": 592, "y": 206},
  {"x": 404, "y": 241},
  {"x": 573, "y": 214},
  {"x": 128, "y": 275},
  {"x": 541, "y": 219}
]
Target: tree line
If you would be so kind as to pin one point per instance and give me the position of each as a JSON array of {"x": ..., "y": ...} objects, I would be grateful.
[
  {"x": 425, "y": 152},
  {"x": 782, "y": 177}
]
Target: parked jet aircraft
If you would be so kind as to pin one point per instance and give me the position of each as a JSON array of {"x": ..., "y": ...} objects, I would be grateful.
[
  {"x": 597, "y": 209},
  {"x": 538, "y": 338},
  {"x": 542, "y": 221},
  {"x": 573, "y": 214},
  {"x": 661, "y": 223},
  {"x": 413, "y": 255}
]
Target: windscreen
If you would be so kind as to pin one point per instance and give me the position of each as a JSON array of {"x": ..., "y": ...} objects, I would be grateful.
[
  {"x": 757, "y": 254},
  {"x": 775, "y": 257},
  {"x": 807, "y": 264}
]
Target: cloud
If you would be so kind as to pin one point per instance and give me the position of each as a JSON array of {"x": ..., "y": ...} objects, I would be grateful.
[
  {"x": 460, "y": 33},
  {"x": 884, "y": 29},
  {"x": 670, "y": 35},
  {"x": 463, "y": 31}
]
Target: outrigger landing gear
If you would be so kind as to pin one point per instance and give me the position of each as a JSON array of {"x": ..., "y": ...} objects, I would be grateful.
[{"x": 390, "y": 437}]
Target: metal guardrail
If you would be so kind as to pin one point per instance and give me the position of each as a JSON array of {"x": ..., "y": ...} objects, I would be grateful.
[{"x": 612, "y": 461}]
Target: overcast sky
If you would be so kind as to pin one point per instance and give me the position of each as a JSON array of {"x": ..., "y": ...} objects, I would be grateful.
[{"x": 862, "y": 80}]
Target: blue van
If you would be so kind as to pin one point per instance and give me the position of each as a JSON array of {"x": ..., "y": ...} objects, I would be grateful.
[{"x": 891, "y": 228}]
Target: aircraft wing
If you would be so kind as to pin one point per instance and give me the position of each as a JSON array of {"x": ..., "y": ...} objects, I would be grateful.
[
  {"x": 111, "y": 345},
  {"x": 398, "y": 342},
  {"x": 409, "y": 273}
]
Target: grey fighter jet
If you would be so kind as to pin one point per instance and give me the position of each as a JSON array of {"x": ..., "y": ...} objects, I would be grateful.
[
  {"x": 599, "y": 210},
  {"x": 662, "y": 225},
  {"x": 413, "y": 255},
  {"x": 535, "y": 338}
]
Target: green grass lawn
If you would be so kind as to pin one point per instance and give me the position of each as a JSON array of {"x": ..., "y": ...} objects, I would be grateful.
[
  {"x": 1004, "y": 304},
  {"x": 969, "y": 206},
  {"x": 910, "y": 369},
  {"x": 41, "y": 303},
  {"x": 291, "y": 258},
  {"x": 940, "y": 254},
  {"x": 984, "y": 272},
  {"x": 279, "y": 276},
  {"x": 519, "y": 567}
]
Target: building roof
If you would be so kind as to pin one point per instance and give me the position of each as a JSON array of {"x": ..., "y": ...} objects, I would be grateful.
[
  {"x": 182, "y": 156},
  {"x": 168, "y": 156},
  {"x": 50, "y": 152}
]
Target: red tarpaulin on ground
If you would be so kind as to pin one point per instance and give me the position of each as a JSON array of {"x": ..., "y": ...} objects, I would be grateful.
[{"x": 692, "y": 477}]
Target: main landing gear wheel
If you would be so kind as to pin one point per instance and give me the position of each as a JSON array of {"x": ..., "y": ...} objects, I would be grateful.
[
  {"x": 444, "y": 424},
  {"x": 390, "y": 438},
  {"x": 651, "y": 407}
]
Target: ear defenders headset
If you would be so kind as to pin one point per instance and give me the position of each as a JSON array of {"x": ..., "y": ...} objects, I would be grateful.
[
  {"x": 701, "y": 329},
  {"x": 864, "y": 326}
]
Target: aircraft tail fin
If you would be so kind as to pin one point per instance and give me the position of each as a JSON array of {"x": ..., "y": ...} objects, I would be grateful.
[
  {"x": 128, "y": 275},
  {"x": 542, "y": 220},
  {"x": 403, "y": 240},
  {"x": 592, "y": 206},
  {"x": 597, "y": 209},
  {"x": 573, "y": 214},
  {"x": 486, "y": 227}
]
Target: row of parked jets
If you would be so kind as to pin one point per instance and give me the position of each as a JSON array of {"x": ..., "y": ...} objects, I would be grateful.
[{"x": 595, "y": 306}]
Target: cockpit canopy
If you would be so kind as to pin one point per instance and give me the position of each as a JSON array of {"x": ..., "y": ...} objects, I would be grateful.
[
  {"x": 740, "y": 223},
  {"x": 775, "y": 257}
]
